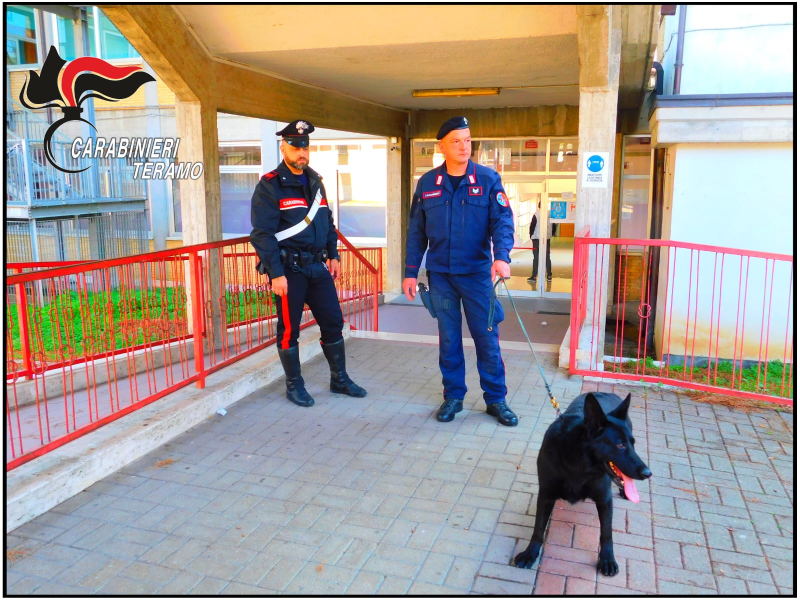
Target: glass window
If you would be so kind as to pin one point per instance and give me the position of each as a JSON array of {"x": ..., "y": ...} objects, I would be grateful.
[
  {"x": 176, "y": 204},
  {"x": 529, "y": 155},
  {"x": 112, "y": 43},
  {"x": 564, "y": 156},
  {"x": 354, "y": 174},
  {"x": 637, "y": 156},
  {"x": 634, "y": 194},
  {"x": 345, "y": 187},
  {"x": 66, "y": 38},
  {"x": 237, "y": 192},
  {"x": 21, "y": 36},
  {"x": 239, "y": 156},
  {"x": 239, "y": 172},
  {"x": 633, "y": 208},
  {"x": 90, "y": 28}
]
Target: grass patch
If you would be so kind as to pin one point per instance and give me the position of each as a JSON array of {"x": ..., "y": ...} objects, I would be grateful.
[
  {"x": 768, "y": 381},
  {"x": 68, "y": 327}
]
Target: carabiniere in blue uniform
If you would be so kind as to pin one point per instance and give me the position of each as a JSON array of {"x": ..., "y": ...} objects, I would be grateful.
[{"x": 456, "y": 227}]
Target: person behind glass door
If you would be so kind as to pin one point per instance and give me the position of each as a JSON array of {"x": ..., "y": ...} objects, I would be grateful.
[{"x": 533, "y": 231}]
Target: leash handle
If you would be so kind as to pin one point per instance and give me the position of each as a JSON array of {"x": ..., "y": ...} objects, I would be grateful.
[
  {"x": 530, "y": 344},
  {"x": 490, "y": 325}
]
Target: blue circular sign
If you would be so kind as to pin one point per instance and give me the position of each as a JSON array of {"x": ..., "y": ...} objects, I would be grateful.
[{"x": 595, "y": 163}]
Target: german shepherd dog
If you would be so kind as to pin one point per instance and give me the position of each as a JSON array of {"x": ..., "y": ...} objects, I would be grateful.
[{"x": 582, "y": 452}]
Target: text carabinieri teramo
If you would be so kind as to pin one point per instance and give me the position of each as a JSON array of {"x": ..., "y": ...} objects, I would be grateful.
[{"x": 163, "y": 150}]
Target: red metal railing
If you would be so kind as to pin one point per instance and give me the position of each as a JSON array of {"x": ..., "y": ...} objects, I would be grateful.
[
  {"x": 700, "y": 317},
  {"x": 87, "y": 343},
  {"x": 580, "y": 282}
]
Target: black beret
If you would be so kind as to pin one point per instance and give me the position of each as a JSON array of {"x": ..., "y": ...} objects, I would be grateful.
[
  {"x": 451, "y": 125},
  {"x": 296, "y": 133}
]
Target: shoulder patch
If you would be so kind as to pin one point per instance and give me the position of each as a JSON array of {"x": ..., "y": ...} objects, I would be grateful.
[
  {"x": 270, "y": 175},
  {"x": 502, "y": 200}
]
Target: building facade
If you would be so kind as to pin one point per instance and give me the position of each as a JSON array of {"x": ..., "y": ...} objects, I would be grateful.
[{"x": 686, "y": 112}]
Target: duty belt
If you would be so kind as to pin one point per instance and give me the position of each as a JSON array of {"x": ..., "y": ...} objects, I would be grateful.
[{"x": 302, "y": 259}]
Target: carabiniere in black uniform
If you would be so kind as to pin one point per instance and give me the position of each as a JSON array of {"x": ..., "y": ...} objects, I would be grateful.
[{"x": 294, "y": 235}]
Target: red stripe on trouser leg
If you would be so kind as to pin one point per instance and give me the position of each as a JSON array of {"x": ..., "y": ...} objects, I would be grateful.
[{"x": 287, "y": 322}]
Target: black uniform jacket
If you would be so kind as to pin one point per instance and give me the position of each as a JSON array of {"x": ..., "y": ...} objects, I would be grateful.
[{"x": 280, "y": 201}]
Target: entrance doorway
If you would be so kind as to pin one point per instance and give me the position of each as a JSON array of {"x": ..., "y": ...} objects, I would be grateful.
[{"x": 540, "y": 179}]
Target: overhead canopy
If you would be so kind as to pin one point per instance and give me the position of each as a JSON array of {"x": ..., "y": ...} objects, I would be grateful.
[{"x": 381, "y": 53}]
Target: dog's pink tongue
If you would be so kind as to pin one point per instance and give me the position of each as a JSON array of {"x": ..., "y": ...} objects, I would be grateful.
[{"x": 630, "y": 488}]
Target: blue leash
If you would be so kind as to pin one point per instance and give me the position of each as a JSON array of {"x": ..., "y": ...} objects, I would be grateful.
[{"x": 490, "y": 326}]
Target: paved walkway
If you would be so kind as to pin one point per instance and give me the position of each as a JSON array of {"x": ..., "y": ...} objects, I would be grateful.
[
  {"x": 546, "y": 319},
  {"x": 374, "y": 496}
]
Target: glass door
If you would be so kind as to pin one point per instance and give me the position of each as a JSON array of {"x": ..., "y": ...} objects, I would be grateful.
[{"x": 557, "y": 238}]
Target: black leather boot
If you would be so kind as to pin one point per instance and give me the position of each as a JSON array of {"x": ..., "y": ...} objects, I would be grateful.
[
  {"x": 340, "y": 381},
  {"x": 449, "y": 408},
  {"x": 295, "y": 386},
  {"x": 505, "y": 416}
]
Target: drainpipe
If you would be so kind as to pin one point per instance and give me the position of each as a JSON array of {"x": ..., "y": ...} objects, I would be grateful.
[{"x": 676, "y": 86}]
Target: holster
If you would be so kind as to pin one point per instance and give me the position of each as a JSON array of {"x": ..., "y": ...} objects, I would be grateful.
[{"x": 425, "y": 296}]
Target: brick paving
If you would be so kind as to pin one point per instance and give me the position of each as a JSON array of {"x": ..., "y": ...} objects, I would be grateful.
[{"x": 374, "y": 496}]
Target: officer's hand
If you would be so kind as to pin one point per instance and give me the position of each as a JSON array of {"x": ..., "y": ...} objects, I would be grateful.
[
  {"x": 280, "y": 286},
  {"x": 410, "y": 288},
  {"x": 501, "y": 268},
  {"x": 335, "y": 268}
]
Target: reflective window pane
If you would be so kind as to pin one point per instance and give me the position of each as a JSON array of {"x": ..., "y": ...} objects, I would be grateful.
[
  {"x": 529, "y": 155},
  {"x": 637, "y": 156},
  {"x": 66, "y": 38},
  {"x": 112, "y": 43},
  {"x": 237, "y": 192},
  {"x": 176, "y": 205},
  {"x": 633, "y": 208},
  {"x": 238, "y": 156},
  {"x": 21, "y": 36},
  {"x": 564, "y": 155}
]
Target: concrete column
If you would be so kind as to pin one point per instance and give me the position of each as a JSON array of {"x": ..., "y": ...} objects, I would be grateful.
[
  {"x": 156, "y": 188},
  {"x": 201, "y": 209},
  {"x": 395, "y": 227},
  {"x": 599, "y": 51}
]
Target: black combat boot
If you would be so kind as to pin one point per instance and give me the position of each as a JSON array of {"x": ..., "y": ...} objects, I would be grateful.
[
  {"x": 295, "y": 386},
  {"x": 505, "y": 416},
  {"x": 340, "y": 381},
  {"x": 449, "y": 408}
]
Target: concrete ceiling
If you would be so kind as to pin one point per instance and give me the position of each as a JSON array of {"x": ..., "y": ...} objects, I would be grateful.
[{"x": 381, "y": 53}]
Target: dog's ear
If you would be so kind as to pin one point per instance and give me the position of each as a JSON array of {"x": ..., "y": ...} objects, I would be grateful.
[
  {"x": 621, "y": 412},
  {"x": 593, "y": 416}
]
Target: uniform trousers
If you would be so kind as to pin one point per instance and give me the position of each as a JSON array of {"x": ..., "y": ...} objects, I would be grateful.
[
  {"x": 312, "y": 285},
  {"x": 473, "y": 291}
]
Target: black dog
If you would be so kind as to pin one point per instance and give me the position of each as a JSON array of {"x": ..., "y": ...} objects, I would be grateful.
[{"x": 586, "y": 449}]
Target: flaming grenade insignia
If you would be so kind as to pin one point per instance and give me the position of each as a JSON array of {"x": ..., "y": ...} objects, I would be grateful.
[{"x": 82, "y": 75}]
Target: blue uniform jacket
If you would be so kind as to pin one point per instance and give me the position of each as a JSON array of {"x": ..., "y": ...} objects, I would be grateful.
[{"x": 456, "y": 226}]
